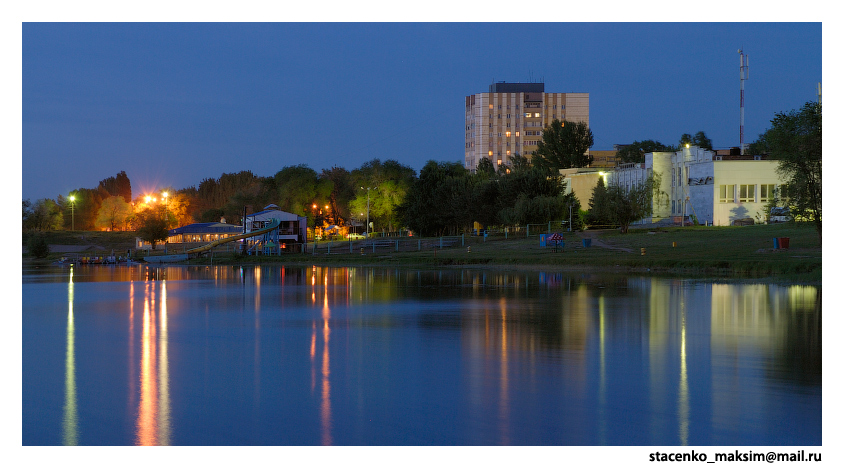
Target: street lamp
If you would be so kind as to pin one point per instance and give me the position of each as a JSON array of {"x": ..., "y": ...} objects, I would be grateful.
[
  {"x": 368, "y": 211},
  {"x": 72, "y": 219}
]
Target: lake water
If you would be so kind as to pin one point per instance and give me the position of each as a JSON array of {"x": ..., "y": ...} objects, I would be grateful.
[{"x": 377, "y": 356}]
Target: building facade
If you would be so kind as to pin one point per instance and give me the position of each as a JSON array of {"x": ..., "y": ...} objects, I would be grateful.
[
  {"x": 509, "y": 119},
  {"x": 699, "y": 185}
]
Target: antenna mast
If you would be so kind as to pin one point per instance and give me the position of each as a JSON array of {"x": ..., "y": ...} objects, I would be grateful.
[{"x": 743, "y": 75}]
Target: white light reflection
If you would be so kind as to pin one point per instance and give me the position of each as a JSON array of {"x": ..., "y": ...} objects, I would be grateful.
[
  {"x": 683, "y": 386},
  {"x": 70, "y": 423}
]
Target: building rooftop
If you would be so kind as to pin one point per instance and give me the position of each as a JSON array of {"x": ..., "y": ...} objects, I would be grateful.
[{"x": 503, "y": 87}]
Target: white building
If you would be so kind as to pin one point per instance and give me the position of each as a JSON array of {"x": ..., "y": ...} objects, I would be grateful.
[{"x": 698, "y": 184}]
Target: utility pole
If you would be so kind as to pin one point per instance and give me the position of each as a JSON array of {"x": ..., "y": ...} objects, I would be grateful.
[{"x": 743, "y": 75}]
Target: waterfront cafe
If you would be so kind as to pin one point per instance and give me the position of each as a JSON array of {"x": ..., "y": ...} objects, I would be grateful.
[{"x": 195, "y": 234}]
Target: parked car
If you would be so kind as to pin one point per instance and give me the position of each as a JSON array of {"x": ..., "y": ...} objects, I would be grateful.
[
  {"x": 355, "y": 236},
  {"x": 779, "y": 215}
]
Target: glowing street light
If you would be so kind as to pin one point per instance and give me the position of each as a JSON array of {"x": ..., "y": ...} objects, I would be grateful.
[{"x": 72, "y": 219}]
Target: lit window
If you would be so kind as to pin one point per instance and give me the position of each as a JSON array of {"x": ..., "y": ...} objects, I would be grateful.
[
  {"x": 536, "y": 114},
  {"x": 507, "y": 134},
  {"x": 726, "y": 194},
  {"x": 509, "y": 153},
  {"x": 490, "y": 153},
  {"x": 746, "y": 192},
  {"x": 499, "y": 162},
  {"x": 517, "y": 133},
  {"x": 491, "y": 106},
  {"x": 527, "y": 114}
]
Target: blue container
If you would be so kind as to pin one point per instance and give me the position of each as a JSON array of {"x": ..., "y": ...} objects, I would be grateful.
[
  {"x": 777, "y": 244},
  {"x": 543, "y": 240},
  {"x": 587, "y": 242}
]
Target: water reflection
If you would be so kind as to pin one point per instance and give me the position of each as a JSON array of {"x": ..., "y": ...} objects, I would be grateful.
[
  {"x": 70, "y": 427},
  {"x": 350, "y": 355},
  {"x": 152, "y": 426}
]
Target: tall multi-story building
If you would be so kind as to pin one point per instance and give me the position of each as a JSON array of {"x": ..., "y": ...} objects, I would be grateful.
[{"x": 509, "y": 119}]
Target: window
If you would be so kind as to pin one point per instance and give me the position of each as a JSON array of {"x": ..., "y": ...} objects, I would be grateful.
[
  {"x": 536, "y": 114},
  {"x": 767, "y": 192},
  {"x": 527, "y": 114},
  {"x": 726, "y": 194},
  {"x": 507, "y": 134},
  {"x": 517, "y": 133},
  {"x": 746, "y": 192}
]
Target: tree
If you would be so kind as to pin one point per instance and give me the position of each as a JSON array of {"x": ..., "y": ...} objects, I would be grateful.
[
  {"x": 342, "y": 194},
  {"x": 600, "y": 212},
  {"x": 299, "y": 188},
  {"x": 389, "y": 182},
  {"x": 485, "y": 167},
  {"x": 795, "y": 140},
  {"x": 700, "y": 140},
  {"x": 630, "y": 205},
  {"x": 635, "y": 152},
  {"x": 38, "y": 247},
  {"x": 44, "y": 215},
  {"x": 118, "y": 186},
  {"x": 564, "y": 145},
  {"x": 152, "y": 227},
  {"x": 439, "y": 201},
  {"x": 114, "y": 213}
]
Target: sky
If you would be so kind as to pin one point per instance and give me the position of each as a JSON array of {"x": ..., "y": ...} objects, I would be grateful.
[{"x": 174, "y": 103}]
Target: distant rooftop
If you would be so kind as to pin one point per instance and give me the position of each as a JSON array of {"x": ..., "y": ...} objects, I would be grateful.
[{"x": 503, "y": 87}]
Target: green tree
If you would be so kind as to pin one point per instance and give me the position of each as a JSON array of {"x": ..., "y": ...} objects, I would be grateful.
[
  {"x": 700, "y": 140},
  {"x": 152, "y": 227},
  {"x": 341, "y": 195},
  {"x": 438, "y": 202},
  {"x": 630, "y": 205},
  {"x": 300, "y": 188},
  {"x": 114, "y": 213},
  {"x": 795, "y": 140},
  {"x": 38, "y": 247},
  {"x": 600, "y": 212},
  {"x": 485, "y": 166},
  {"x": 44, "y": 215},
  {"x": 564, "y": 145},
  {"x": 635, "y": 152},
  {"x": 389, "y": 182}
]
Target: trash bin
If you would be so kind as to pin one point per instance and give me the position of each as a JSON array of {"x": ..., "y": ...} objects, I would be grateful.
[
  {"x": 587, "y": 242},
  {"x": 777, "y": 245},
  {"x": 543, "y": 240},
  {"x": 784, "y": 243}
]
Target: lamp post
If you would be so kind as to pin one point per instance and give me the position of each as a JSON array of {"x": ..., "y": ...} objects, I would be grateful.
[
  {"x": 72, "y": 218},
  {"x": 368, "y": 211}
]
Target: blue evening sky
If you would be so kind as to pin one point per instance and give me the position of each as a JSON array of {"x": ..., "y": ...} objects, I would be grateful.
[{"x": 175, "y": 103}]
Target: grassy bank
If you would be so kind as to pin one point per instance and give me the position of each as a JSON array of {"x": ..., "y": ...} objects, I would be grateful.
[{"x": 713, "y": 251}]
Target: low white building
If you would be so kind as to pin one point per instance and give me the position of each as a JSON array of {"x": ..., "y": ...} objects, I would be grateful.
[{"x": 697, "y": 184}]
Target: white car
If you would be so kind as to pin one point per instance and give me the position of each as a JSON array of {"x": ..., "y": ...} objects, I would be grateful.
[{"x": 355, "y": 236}]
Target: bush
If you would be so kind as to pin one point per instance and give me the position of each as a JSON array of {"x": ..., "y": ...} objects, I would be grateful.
[{"x": 38, "y": 247}]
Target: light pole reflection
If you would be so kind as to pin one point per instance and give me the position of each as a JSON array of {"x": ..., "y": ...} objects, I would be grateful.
[
  {"x": 326, "y": 403},
  {"x": 70, "y": 424},
  {"x": 153, "y": 424}
]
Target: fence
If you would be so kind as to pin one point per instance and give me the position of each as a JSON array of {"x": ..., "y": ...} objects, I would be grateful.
[{"x": 385, "y": 245}]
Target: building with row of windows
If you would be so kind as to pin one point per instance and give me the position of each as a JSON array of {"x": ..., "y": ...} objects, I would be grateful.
[
  {"x": 699, "y": 184},
  {"x": 509, "y": 119}
]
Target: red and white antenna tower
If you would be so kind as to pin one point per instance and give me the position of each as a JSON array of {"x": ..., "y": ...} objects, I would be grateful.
[{"x": 743, "y": 75}]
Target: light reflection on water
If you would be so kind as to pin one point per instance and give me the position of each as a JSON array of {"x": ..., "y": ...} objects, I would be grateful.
[{"x": 388, "y": 356}]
